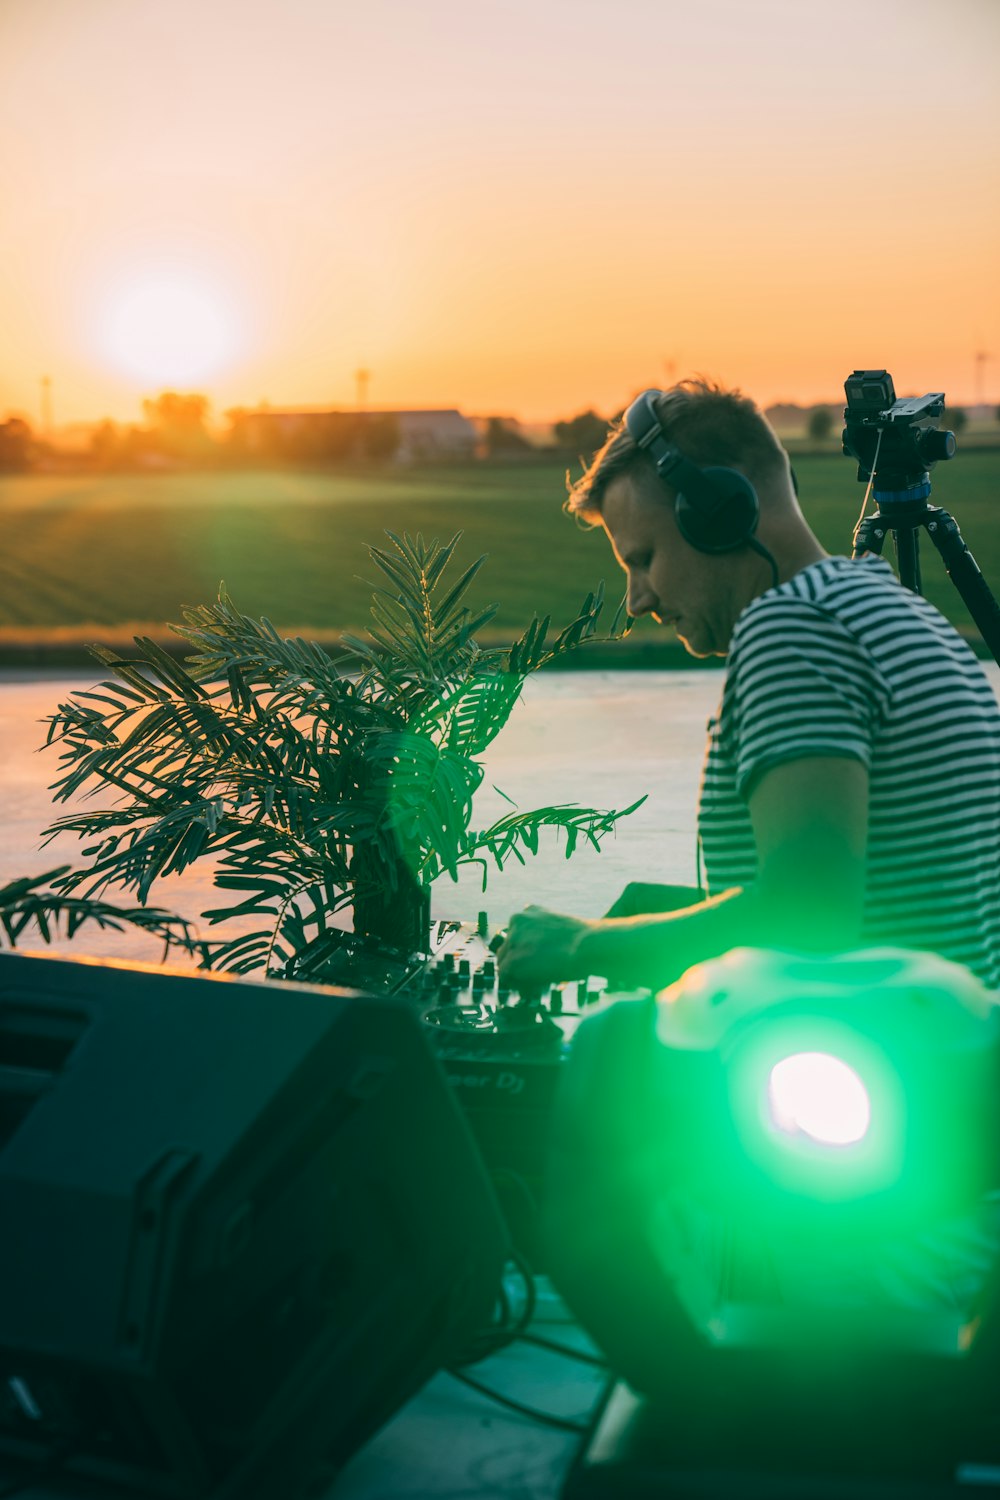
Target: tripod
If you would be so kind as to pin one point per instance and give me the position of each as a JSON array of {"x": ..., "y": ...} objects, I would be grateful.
[{"x": 903, "y": 512}]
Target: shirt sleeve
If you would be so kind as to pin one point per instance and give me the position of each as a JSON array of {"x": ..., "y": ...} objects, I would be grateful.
[{"x": 800, "y": 684}]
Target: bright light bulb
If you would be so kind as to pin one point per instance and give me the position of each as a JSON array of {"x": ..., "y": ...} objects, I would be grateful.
[{"x": 817, "y": 1095}]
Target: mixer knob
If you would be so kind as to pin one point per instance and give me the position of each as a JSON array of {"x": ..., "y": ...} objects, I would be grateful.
[
  {"x": 447, "y": 963},
  {"x": 489, "y": 970},
  {"x": 483, "y": 924},
  {"x": 464, "y": 968}
]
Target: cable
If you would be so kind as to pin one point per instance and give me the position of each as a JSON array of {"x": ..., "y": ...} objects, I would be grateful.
[
  {"x": 565, "y": 1349},
  {"x": 505, "y": 1330},
  {"x": 530, "y": 1292},
  {"x": 762, "y": 551},
  {"x": 871, "y": 481},
  {"x": 500, "y": 1338},
  {"x": 547, "y": 1418},
  {"x": 492, "y": 1339}
]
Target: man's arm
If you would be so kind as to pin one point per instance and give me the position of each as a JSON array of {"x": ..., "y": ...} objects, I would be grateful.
[
  {"x": 810, "y": 821},
  {"x": 642, "y": 899}
]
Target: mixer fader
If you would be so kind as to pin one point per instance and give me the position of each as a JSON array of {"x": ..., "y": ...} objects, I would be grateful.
[{"x": 460, "y": 992}]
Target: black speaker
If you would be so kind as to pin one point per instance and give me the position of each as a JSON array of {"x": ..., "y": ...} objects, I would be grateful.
[
  {"x": 242, "y": 1222},
  {"x": 717, "y": 508}
]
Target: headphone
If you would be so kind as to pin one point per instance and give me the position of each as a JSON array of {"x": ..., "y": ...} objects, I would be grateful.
[{"x": 717, "y": 509}]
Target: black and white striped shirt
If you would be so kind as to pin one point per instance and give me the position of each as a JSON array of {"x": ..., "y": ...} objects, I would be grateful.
[{"x": 843, "y": 660}]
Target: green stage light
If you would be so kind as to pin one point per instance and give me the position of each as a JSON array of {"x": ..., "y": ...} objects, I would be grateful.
[
  {"x": 862, "y": 1081},
  {"x": 808, "y": 1148},
  {"x": 821, "y": 1097}
]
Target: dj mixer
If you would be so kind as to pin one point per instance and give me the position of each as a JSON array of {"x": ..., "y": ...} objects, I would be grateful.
[
  {"x": 457, "y": 988},
  {"x": 502, "y": 1051}
]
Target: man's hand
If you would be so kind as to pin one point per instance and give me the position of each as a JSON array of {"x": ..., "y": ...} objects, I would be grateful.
[
  {"x": 542, "y": 947},
  {"x": 810, "y": 821}
]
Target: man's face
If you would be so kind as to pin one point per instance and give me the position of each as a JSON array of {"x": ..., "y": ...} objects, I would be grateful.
[{"x": 667, "y": 577}]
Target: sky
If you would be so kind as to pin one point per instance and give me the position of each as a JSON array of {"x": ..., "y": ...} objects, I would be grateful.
[{"x": 529, "y": 208}]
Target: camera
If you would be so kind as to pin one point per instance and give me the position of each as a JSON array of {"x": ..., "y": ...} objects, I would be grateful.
[{"x": 895, "y": 442}]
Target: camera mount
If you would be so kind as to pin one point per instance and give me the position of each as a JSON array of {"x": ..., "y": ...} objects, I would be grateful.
[{"x": 896, "y": 444}]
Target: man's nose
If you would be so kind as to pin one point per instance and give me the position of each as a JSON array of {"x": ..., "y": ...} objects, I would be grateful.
[{"x": 641, "y": 598}]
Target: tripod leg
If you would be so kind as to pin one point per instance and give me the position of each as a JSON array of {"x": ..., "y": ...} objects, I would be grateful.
[
  {"x": 963, "y": 570},
  {"x": 908, "y": 557},
  {"x": 870, "y": 537}
]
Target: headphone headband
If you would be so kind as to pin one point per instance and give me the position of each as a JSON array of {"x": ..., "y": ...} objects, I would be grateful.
[{"x": 716, "y": 508}]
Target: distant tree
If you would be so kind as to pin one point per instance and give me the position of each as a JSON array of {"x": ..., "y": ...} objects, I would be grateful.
[
  {"x": 106, "y": 446},
  {"x": 176, "y": 410},
  {"x": 954, "y": 418},
  {"x": 178, "y": 421},
  {"x": 503, "y": 438},
  {"x": 583, "y": 434},
  {"x": 16, "y": 445},
  {"x": 139, "y": 448},
  {"x": 820, "y": 423}
]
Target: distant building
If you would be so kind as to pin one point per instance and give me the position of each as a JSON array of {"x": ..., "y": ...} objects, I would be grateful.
[
  {"x": 443, "y": 433},
  {"x": 314, "y": 435}
]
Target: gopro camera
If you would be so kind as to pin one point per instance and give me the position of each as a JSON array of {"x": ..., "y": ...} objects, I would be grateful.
[{"x": 897, "y": 442}]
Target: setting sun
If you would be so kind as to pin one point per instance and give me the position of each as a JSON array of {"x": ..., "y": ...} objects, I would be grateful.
[
  {"x": 167, "y": 327},
  {"x": 358, "y": 194}
]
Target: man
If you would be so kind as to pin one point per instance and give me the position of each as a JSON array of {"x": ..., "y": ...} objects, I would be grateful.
[{"x": 851, "y": 789}]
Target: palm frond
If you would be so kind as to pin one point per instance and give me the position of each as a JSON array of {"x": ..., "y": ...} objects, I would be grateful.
[
  {"x": 35, "y": 903},
  {"x": 468, "y": 718},
  {"x": 533, "y": 649},
  {"x": 516, "y": 831}
]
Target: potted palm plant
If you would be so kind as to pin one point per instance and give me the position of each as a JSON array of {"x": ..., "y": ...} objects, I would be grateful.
[{"x": 315, "y": 782}]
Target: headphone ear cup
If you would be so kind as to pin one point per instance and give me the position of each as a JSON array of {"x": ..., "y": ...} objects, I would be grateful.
[{"x": 727, "y": 521}]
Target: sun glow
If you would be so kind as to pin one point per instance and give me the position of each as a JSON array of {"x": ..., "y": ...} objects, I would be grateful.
[{"x": 168, "y": 327}]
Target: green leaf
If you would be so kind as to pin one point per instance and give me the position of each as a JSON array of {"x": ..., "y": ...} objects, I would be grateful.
[{"x": 460, "y": 589}]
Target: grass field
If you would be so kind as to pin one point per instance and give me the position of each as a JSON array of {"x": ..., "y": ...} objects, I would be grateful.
[{"x": 93, "y": 557}]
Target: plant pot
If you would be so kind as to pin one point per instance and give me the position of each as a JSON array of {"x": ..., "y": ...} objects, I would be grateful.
[{"x": 390, "y": 903}]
